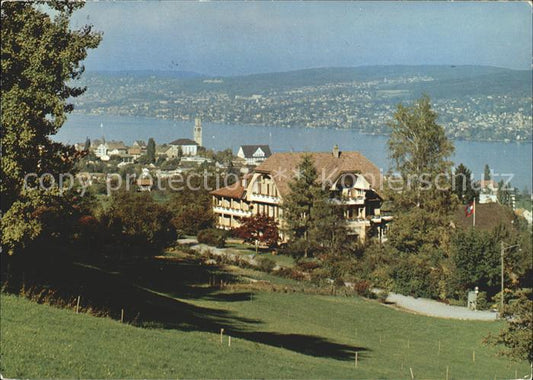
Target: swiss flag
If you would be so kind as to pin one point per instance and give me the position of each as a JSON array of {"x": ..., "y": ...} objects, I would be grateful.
[{"x": 469, "y": 209}]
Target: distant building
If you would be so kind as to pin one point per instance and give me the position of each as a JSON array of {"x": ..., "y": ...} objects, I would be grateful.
[
  {"x": 116, "y": 148},
  {"x": 101, "y": 151},
  {"x": 352, "y": 179},
  {"x": 254, "y": 154},
  {"x": 183, "y": 147},
  {"x": 139, "y": 144},
  {"x": 488, "y": 192},
  {"x": 186, "y": 147},
  {"x": 135, "y": 152},
  {"x": 526, "y": 214},
  {"x": 145, "y": 181}
]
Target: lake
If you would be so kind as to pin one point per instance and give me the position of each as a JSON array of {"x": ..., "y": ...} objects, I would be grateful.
[{"x": 503, "y": 158}]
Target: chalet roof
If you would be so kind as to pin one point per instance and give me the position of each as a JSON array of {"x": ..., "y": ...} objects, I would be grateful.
[
  {"x": 235, "y": 191},
  {"x": 283, "y": 166},
  {"x": 249, "y": 150},
  {"x": 139, "y": 143},
  {"x": 183, "y": 142}
]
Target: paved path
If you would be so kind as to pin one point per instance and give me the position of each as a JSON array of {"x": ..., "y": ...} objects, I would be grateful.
[{"x": 439, "y": 309}]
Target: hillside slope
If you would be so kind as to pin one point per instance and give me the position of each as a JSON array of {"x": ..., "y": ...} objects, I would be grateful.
[{"x": 288, "y": 336}]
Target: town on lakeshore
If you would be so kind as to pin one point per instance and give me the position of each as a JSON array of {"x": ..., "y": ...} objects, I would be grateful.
[{"x": 266, "y": 190}]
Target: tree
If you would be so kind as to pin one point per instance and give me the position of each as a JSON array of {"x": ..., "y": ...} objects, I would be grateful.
[
  {"x": 328, "y": 227},
  {"x": 516, "y": 336},
  {"x": 487, "y": 173},
  {"x": 504, "y": 194},
  {"x": 420, "y": 232},
  {"x": 136, "y": 225},
  {"x": 462, "y": 184},
  {"x": 298, "y": 204},
  {"x": 150, "y": 150},
  {"x": 260, "y": 228},
  {"x": 192, "y": 209},
  {"x": 41, "y": 55},
  {"x": 476, "y": 258},
  {"x": 87, "y": 144},
  {"x": 420, "y": 150},
  {"x": 313, "y": 222}
]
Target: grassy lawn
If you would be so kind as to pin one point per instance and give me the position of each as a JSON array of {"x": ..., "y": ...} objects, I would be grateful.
[{"x": 274, "y": 335}]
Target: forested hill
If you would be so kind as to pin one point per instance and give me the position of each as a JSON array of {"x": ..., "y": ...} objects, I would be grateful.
[
  {"x": 449, "y": 79},
  {"x": 452, "y": 79}
]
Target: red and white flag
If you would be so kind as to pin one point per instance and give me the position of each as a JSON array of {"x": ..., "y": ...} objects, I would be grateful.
[{"x": 470, "y": 209}]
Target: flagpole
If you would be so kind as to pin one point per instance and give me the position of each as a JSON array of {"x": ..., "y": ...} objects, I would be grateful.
[{"x": 474, "y": 214}]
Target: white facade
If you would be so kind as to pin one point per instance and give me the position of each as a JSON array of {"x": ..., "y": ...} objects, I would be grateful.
[
  {"x": 186, "y": 150},
  {"x": 101, "y": 150}
]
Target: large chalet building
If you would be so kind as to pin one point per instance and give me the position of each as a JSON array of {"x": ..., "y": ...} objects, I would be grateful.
[{"x": 351, "y": 177}]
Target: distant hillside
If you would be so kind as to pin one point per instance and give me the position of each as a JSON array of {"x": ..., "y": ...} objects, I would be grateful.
[
  {"x": 145, "y": 74},
  {"x": 517, "y": 83},
  {"x": 452, "y": 77},
  {"x": 473, "y": 102}
]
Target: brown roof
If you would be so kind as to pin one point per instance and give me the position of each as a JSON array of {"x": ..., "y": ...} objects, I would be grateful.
[
  {"x": 282, "y": 167},
  {"x": 235, "y": 191},
  {"x": 116, "y": 145},
  {"x": 488, "y": 216},
  {"x": 183, "y": 142}
]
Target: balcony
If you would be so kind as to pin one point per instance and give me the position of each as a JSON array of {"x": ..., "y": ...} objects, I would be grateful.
[
  {"x": 254, "y": 197},
  {"x": 231, "y": 211},
  {"x": 380, "y": 218},
  {"x": 357, "y": 223}
]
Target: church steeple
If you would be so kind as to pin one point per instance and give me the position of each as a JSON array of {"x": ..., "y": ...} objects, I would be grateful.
[{"x": 198, "y": 131}]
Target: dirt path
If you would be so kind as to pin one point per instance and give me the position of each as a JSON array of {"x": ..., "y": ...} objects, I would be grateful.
[{"x": 438, "y": 309}]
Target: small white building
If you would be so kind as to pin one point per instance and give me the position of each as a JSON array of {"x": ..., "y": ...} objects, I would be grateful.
[
  {"x": 254, "y": 154},
  {"x": 188, "y": 147},
  {"x": 101, "y": 150},
  {"x": 488, "y": 192}
]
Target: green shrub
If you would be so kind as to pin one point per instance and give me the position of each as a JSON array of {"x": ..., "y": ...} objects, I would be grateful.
[
  {"x": 482, "y": 301},
  {"x": 212, "y": 237},
  {"x": 266, "y": 264},
  {"x": 362, "y": 288},
  {"x": 291, "y": 273},
  {"x": 308, "y": 266}
]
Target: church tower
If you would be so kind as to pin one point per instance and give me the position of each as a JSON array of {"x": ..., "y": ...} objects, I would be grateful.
[{"x": 198, "y": 131}]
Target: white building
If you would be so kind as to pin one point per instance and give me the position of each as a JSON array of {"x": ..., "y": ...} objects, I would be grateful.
[
  {"x": 254, "y": 154},
  {"x": 187, "y": 147}
]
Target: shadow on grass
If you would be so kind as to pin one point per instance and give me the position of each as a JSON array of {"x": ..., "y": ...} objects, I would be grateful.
[{"x": 146, "y": 291}]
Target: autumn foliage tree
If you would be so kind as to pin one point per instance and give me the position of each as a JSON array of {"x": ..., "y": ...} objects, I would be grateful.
[{"x": 260, "y": 228}]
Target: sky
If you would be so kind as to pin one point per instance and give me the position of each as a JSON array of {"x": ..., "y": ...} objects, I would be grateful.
[{"x": 237, "y": 38}]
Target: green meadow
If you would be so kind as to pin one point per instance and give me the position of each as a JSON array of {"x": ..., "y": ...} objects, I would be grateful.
[{"x": 173, "y": 319}]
